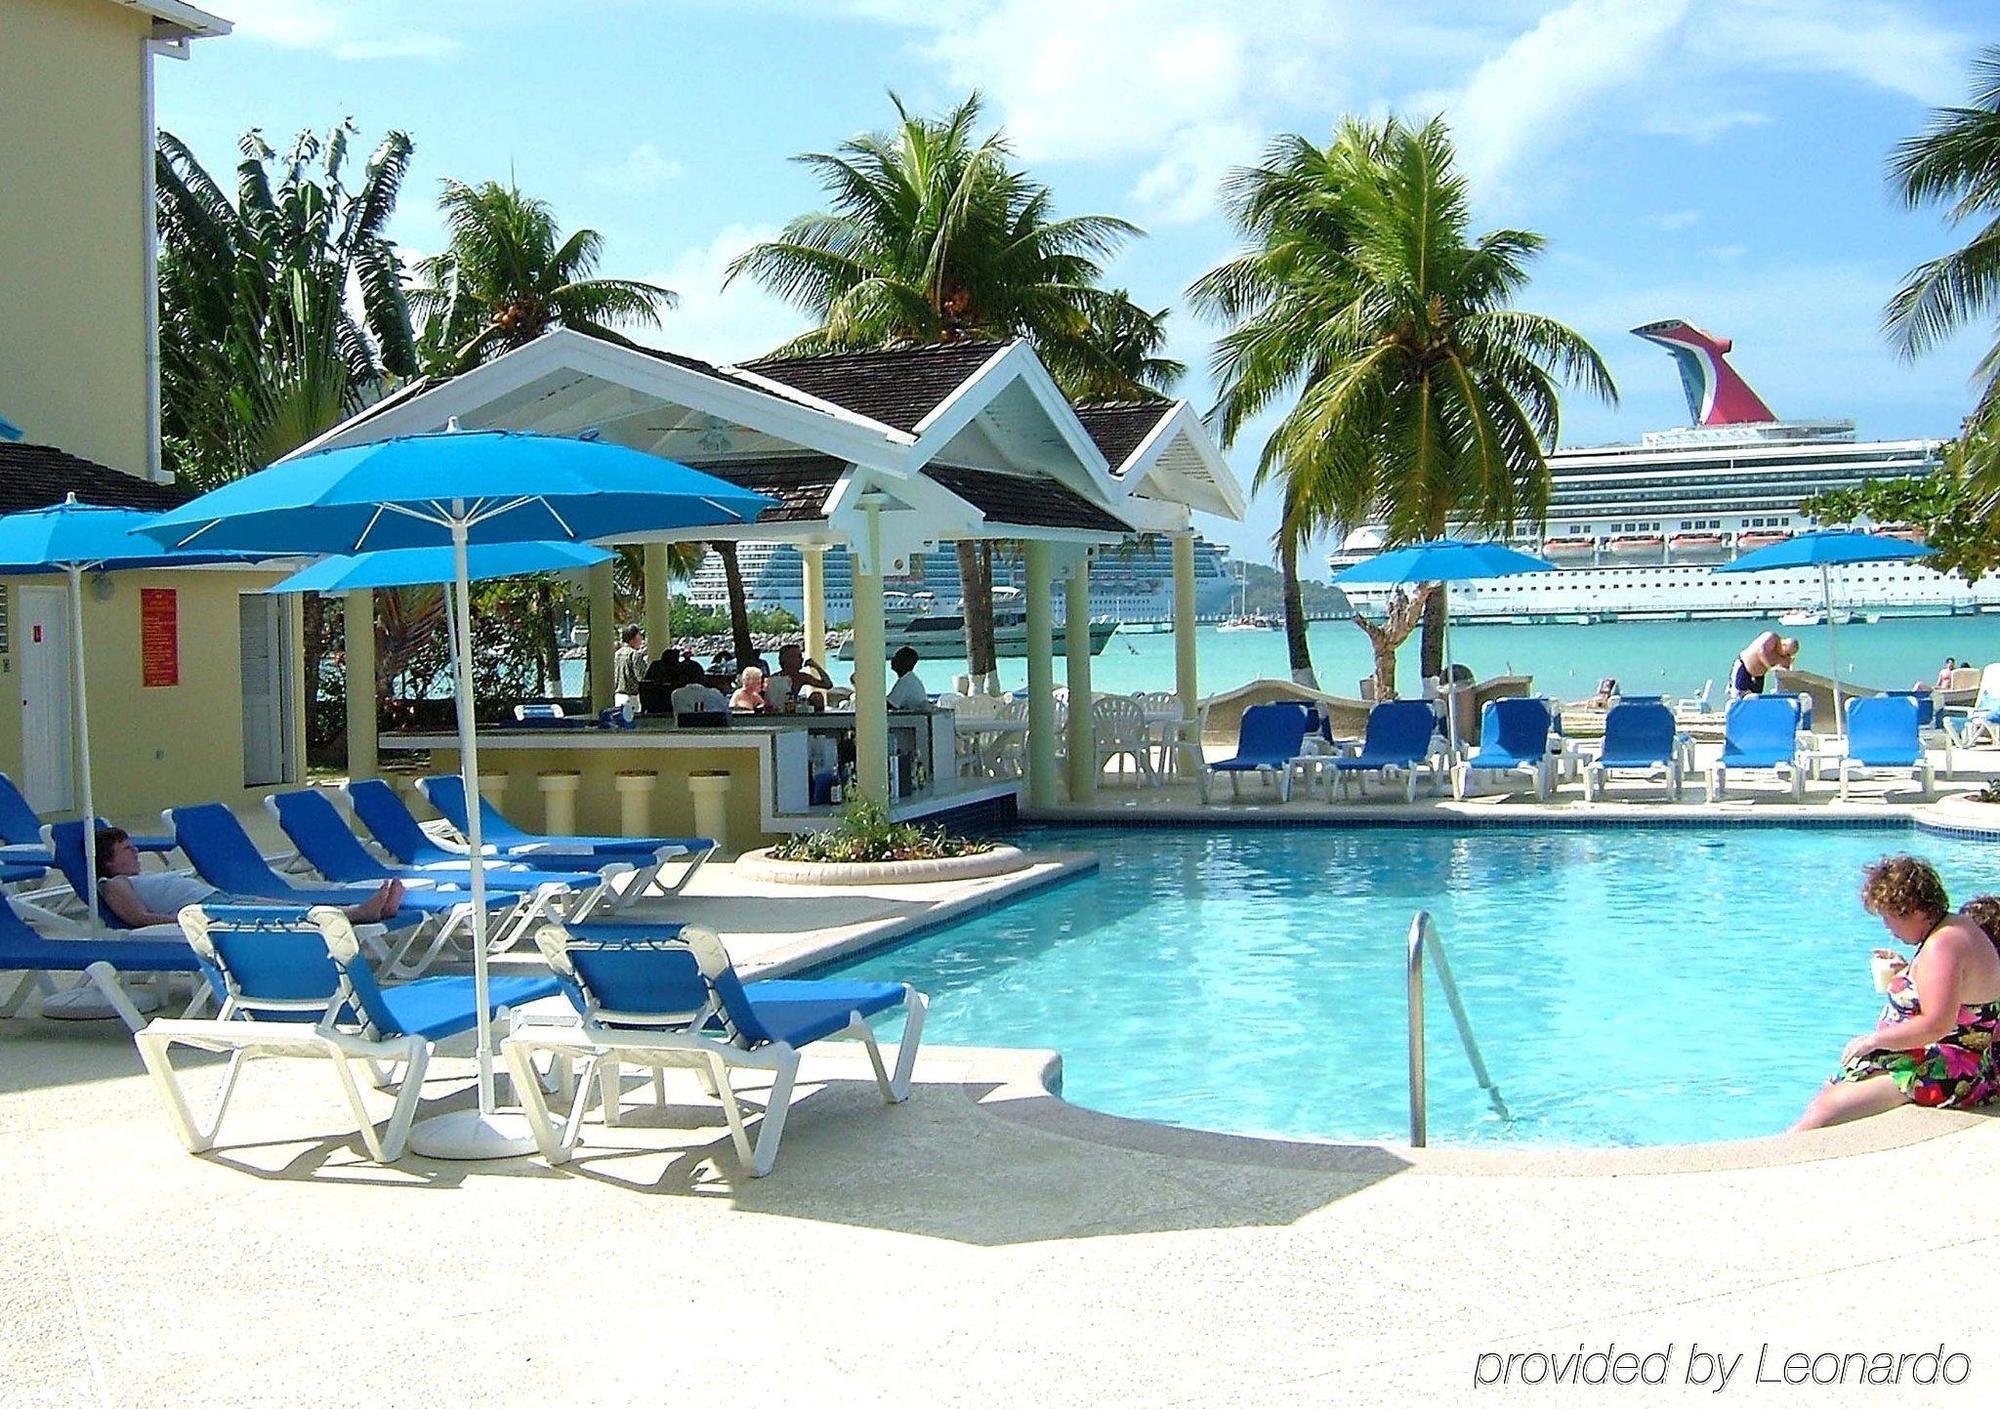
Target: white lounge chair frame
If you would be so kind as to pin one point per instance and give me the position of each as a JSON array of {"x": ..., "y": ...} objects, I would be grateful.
[
  {"x": 1920, "y": 772},
  {"x": 659, "y": 1042}
]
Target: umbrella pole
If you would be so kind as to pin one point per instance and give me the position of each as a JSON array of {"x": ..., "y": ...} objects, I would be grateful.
[
  {"x": 1450, "y": 700},
  {"x": 81, "y": 757},
  {"x": 479, "y": 1133},
  {"x": 1832, "y": 647}
]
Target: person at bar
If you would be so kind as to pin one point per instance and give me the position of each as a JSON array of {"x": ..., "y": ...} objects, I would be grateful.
[{"x": 908, "y": 692}]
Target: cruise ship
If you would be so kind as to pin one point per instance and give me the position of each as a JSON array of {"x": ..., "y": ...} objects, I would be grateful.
[
  {"x": 1131, "y": 583},
  {"x": 1636, "y": 531}
]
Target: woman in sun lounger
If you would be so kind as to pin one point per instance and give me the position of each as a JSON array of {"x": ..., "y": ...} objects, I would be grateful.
[
  {"x": 140, "y": 898},
  {"x": 1935, "y": 1044}
]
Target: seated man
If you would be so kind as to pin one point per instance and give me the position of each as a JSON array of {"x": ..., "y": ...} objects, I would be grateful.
[
  {"x": 146, "y": 898},
  {"x": 908, "y": 692},
  {"x": 801, "y": 672},
  {"x": 749, "y": 696},
  {"x": 693, "y": 694}
]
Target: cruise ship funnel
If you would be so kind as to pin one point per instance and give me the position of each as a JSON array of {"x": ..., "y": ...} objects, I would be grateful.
[{"x": 1716, "y": 395}]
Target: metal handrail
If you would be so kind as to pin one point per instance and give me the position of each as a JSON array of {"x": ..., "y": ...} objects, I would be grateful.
[{"x": 1425, "y": 940}]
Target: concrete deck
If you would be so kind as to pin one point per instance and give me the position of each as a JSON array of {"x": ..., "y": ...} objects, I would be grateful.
[{"x": 983, "y": 1244}]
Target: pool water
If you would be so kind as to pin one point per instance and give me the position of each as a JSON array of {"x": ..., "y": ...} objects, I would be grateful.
[{"x": 1629, "y": 986}]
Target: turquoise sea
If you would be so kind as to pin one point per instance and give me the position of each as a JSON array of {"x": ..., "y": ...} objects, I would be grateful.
[{"x": 1647, "y": 657}]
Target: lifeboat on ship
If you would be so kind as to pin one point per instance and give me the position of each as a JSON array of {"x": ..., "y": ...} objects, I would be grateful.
[
  {"x": 1569, "y": 547},
  {"x": 1904, "y": 532},
  {"x": 1625, "y": 545},
  {"x": 1698, "y": 546},
  {"x": 1761, "y": 538}
]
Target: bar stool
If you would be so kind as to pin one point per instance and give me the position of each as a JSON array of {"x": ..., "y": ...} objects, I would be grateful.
[
  {"x": 559, "y": 788},
  {"x": 710, "y": 787},
  {"x": 635, "y": 800}
]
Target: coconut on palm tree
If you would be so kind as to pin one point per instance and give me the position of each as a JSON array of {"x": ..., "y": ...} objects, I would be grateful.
[
  {"x": 509, "y": 275},
  {"x": 1419, "y": 394},
  {"x": 933, "y": 235}
]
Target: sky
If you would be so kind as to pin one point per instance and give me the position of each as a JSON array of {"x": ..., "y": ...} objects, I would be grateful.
[{"x": 1720, "y": 161}]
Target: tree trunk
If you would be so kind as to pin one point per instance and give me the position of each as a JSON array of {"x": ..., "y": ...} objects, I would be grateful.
[
  {"x": 1295, "y": 611},
  {"x": 315, "y": 651},
  {"x": 1433, "y": 646},
  {"x": 975, "y": 586},
  {"x": 548, "y": 649},
  {"x": 739, "y": 606},
  {"x": 1384, "y": 640}
]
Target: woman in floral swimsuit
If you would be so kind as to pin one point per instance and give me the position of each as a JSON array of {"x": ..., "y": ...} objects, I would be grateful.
[{"x": 1936, "y": 1044}]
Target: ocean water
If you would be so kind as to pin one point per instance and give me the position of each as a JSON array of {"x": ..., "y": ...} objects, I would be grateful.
[
  {"x": 1627, "y": 986},
  {"x": 1647, "y": 657}
]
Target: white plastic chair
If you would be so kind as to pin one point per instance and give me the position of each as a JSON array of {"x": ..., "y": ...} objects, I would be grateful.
[{"x": 1118, "y": 728}]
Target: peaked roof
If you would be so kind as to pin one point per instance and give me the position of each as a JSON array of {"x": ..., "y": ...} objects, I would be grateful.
[
  {"x": 898, "y": 387},
  {"x": 1120, "y": 427},
  {"x": 36, "y": 476}
]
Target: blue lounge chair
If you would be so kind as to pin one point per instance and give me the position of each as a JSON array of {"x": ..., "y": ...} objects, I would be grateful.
[
  {"x": 100, "y": 958},
  {"x": 679, "y": 1003},
  {"x": 1760, "y": 732},
  {"x": 317, "y": 829},
  {"x": 21, "y": 839},
  {"x": 294, "y": 984},
  {"x": 446, "y": 792},
  {"x": 1883, "y": 734},
  {"x": 1268, "y": 738},
  {"x": 1513, "y": 736},
  {"x": 1932, "y": 728},
  {"x": 1640, "y": 737},
  {"x": 224, "y": 855},
  {"x": 1399, "y": 739}
]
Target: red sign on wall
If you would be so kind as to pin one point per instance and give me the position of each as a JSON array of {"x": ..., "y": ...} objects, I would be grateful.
[{"x": 159, "y": 636}]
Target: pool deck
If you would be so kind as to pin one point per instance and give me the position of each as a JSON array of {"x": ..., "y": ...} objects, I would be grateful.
[{"x": 1007, "y": 1247}]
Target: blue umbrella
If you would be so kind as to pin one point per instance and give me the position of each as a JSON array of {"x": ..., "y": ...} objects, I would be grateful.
[
  {"x": 73, "y": 538},
  {"x": 1827, "y": 549},
  {"x": 455, "y": 489},
  {"x": 1444, "y": 560},
  {"x": 412, "y": 567}
]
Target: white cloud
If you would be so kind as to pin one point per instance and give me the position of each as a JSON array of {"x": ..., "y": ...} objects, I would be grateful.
[
  {"x": 1181, "y": 186},
  {"x": 647, "y": 168},
  {"x": 347, "y": 32},
  {"x": 1888, "y": 45},
  {"x": 1703, "y": 124},
  {"x": 721, "y": 325},
  {"x": 1677, "y": 219},
  {"x": 1525, "y": 98}
]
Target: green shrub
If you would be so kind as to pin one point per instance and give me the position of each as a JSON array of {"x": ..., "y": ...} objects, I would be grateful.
[{"x": 866, "y": 832}]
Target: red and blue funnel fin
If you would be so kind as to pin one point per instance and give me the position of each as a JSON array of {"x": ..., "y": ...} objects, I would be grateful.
[{"x": 1716, "y": 395}]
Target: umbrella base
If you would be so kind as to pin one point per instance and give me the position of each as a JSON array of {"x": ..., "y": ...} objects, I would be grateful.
[{"x": 472, "y": 1134}]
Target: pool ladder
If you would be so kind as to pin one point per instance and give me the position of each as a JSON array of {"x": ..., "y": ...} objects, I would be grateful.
[{"x": 1425, "y": 940}]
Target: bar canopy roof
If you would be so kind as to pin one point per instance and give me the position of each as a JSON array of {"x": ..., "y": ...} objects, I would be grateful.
[{"x": 963, "y": 440}]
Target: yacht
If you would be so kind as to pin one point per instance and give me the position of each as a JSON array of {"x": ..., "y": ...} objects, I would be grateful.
[
  {"x": 1637, "y": 530},
  {"x": 919, "y": 620}
]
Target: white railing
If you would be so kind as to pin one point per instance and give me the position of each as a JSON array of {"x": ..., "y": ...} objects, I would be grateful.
[{"x": 1425, "y": 940}]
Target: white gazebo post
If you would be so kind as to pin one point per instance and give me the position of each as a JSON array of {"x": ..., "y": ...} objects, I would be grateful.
[
  {"x": 1186, "y": 682},
  {"x": 812, "y": 556},
  {"x": 871, "y": 695},
  {"x": 358, "y": 651},
  {"x": 659, "y": 600},
  {"x": 603, "y": 636},
  {"x": 1041, "y": 750},
  {"x": 1076, "y": 626}
]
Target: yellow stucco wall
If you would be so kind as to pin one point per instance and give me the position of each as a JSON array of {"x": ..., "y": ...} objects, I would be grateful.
[
  {"x": 74, "y": 227},
  {"x": 159, "y": 746}
]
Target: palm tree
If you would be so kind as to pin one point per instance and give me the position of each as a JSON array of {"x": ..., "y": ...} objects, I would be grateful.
[
  {"x": 261, "y": 347},
  {"x": 933, "y": 235},
  {"x": 508, "y": 276},
  {"x": 1420, "y": 395},
  {"x": 1957, "y": 160},
  {"x": 281, "y": 311}
]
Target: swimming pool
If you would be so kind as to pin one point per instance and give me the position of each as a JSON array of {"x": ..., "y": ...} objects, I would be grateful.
[{"x": 1629, "y": 986}]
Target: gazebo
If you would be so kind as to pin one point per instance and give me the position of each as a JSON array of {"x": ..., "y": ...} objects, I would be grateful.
[{"x": 886, "y": 453}]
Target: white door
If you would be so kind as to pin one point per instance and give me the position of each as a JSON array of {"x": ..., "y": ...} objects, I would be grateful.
[
  {"x": 267, "y": 679},
  {"x": 42, "y": 652}
]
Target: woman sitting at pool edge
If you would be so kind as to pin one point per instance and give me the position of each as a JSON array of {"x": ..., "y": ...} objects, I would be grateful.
[{"x": 1936, "y": 1046}]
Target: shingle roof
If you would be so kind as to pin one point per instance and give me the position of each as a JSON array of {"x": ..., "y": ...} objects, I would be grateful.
[
  {"x": 800, "y": 483},
  {"x": 36, "y": 476},
  {"x": 898, "y": 387},
  {"x": 1029, "y": 502},
  {"x": 1119, "y": 426}
]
